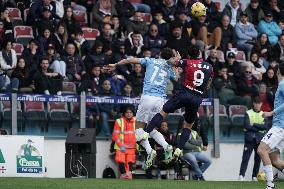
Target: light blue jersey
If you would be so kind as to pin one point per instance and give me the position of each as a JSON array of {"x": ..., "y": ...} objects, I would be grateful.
[
  {"x": 158, "y": 73},
  {"x": 278, "y": 118}
]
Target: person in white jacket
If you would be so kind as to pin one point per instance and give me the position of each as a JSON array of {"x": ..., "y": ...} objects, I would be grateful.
[
  {"x": 256, "y": 64},
  {"x": 245, "y": 33}
]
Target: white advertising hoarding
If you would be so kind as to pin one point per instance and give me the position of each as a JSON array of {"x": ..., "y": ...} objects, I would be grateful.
[{"x": 21, "y": 156}]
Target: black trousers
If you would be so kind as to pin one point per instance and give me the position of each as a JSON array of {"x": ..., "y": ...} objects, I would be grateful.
[{"x": 248, "y": 148}]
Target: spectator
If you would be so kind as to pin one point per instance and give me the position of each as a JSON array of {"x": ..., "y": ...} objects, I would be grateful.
[
  {"x": 276, "y": 10},
  {"x": 119, "y": 54},
  {"x": 137, "y": 24},
  {"x": 193, "y": 155},
  {"x": 145, "y": 5},
  {"x": 213, "y": 15},
  {"x": 46, "y": 81},
  {"x": 257, "y": 66},
  {"x": 60, "y": 37},
  {"x": 125, "y": 10},
  {"x": 255, "y": 128},
  {"x": 8, "y": 57},
  {"x": 163, "y": 26},
  {"x": 266, "y": 97},
  {"x": 118, "y": 30},
  {"x": 213, "y": 60},
  {"x": 134, "y": 44},
  {"x": 117, "y": 82},
  {"x": 268, "y": 26},
  {"x": 32, "y": 56},
  {"x": 254, "y": 12},
  {"x": 199, "y": 31},
  {"x": 247, "y": 85},
  {"x": 246, "y": 34},
  {"x": 71, "y": 24},
  {"x": 279, "y": 49},
  {"x": 234, "y": 67},
  {"x": 178, "y": 41},
  {"x": 264, "y": 49},
  {"x": 46, "y": 22},
  {"x": 270, "y": 79},
  {"x": 102, "y": 11},
  {"x": 168, "y": 8},
  {"x": 107, "y": 39},
  {"x": 82, "y": 45},
  {"x": 96, "y": 56},
  {"x": 125, "y": 143},
  {"x": 127, "y": 90},
  {"x": 183, "y": 6},
  {"x": 44, "y": 39},
  {"x": 106, "y": 110},
  {"x": 281, "y": 25},
  {"x": 226, "y": 87},
  {"x": 2, "y": 32},
  {"x": 228, "y": 38},
  {"x": 136, "y": 79},
  {"x": 6, "y": 20},
  {"x": 153, "y": 41},
  {"x": 75, "y": 68},
  {"x": 22, "y": 73},
  {"x": 94, "y": 79},
  {"x": 233, "y": 10},
  {"x": 56, "y": 64}
]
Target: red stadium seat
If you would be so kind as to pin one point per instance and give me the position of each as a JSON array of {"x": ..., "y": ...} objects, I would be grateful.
[
  {"x": 90, "y": 34},
  {"x": 147, "y": 18},
  {"x": 19, "y": 48},
  {"x": 241, "y": 56},
  {"x": 14, "y": 13},
  {"x": 58, "y": 111},
  {"x": 237, "y": 114},
  {"x": 26, "y": 12},
  {"x": 69, "y": 88},
  {"x": 23, "y": 34},
  {"x": 220, "y": 55},
  {"x": 80, "y": 17}
]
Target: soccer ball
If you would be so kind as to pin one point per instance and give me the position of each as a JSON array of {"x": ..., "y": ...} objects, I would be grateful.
[
  {"x": 261, "y": 176},
  {"x": 198, "y": 9}
]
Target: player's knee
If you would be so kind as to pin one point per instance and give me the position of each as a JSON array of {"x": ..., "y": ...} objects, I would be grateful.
[{"x": 261, "y": 150}]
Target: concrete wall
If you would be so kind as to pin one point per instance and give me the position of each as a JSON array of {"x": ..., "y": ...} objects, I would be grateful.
[{"x": 224, "y": 168}]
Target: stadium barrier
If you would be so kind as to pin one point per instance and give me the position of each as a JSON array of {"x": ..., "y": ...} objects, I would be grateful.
[{"x": 83, "y": 99}]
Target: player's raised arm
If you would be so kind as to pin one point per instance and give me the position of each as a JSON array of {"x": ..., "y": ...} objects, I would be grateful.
[{"x": 125, "y": 61}]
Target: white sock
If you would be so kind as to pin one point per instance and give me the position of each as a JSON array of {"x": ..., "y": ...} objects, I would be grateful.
[
  {"x": 139, "y": 131},
  {"x": 268, "y": 174},
  {"x": 146, "y": 145},
  {"x": 159, "y": 138}
]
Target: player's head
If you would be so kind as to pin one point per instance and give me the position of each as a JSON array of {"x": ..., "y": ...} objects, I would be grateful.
[
  {"x": 193, "y": 52},
  {"x": 167, "y": 53}
]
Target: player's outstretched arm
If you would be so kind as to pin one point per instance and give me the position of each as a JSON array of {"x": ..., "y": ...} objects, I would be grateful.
[{"x": 125, "y": 61}]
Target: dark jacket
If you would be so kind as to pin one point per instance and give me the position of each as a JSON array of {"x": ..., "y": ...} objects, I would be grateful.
[
  {"x": 245, "y": 89},
  {"x": 277, "y": 52},
  {"x": 228, "y": 11},
  {"x": 254, "y": 15},
  {"x": 255, "y": 131}
]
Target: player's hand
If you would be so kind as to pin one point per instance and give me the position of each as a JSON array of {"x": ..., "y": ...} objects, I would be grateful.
[
  {"x": 204, "y": 148},
  {"x": 267, "y": 114}
]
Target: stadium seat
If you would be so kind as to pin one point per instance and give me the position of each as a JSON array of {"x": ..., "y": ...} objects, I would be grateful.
[
  {"x": 26, "y": 12},
  {"x": 237, "y": 114},
  {"x": 23, "y": 34},
  {"x": 147, "y": 18},
  {"x": 220, "y": 55},
  {"x": 75, "y": 114},
  {"x": 202, "y": 115},
  {"x": 69, "y": 88},
  {"x": 59, "y": 118},
  {"x": 225, "y": 122},
  {"x": 173, "y": 120},
  {"x": 15, "y": 14},
  {"x": 19, "y": 48},
  {"x": 80, "y": 17},
  {"x": 90, "y": 34},
  {"x": 6, "y": 115},
  {"x": 241, "y": 56},
  {"x": 36, "y": 119}
]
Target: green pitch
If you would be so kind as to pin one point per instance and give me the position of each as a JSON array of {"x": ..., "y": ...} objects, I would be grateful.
[{"x": 44, "y": 183}]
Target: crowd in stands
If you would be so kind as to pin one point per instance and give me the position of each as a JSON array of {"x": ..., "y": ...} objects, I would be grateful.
[{"x": 243, "y": 42}]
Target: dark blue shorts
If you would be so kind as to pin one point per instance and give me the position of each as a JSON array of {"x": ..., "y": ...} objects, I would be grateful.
[{"x": 188, "y": 99}]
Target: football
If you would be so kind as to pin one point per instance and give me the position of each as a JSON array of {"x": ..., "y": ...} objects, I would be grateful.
[
  {"x": 198, "y": 9},
  {"x": 261, "y": 176}
]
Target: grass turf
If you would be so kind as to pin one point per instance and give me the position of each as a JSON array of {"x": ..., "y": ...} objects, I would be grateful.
[{"x": 45, "y": 183}]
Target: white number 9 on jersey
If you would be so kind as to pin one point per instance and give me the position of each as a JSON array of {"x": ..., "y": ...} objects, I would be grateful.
[{"x": 198, "y": 78}]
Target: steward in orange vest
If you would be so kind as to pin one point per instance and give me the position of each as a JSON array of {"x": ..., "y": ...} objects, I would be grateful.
[{"x": 125, "y": 142}]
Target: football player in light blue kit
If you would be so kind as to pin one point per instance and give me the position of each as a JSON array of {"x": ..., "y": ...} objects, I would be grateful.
[
  {"x": 273, "y": 141},
  {"x": 158, "y": 73}
]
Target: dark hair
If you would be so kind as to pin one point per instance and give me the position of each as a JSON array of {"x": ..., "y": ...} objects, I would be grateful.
[
  {"x": 256, "y": 100},
  {"x": 97, "y": 44},
  {"x": 281, "y": 69},
  {"x": 44, "y": 58},
  {"x": 5, "y": 42},
  {"x": 125, "y": 109},
  {"x": 167, "y": 53},
  {"x": 193, "y": 51}
]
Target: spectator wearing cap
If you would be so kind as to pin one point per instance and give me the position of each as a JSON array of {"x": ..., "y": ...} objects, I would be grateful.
[
  {"x": 163, "y": 26},
  {"x": 46, "y": 21},
  {"x": 279, "y": 49},
  {"x": 32, "y": 56},
  {"x": 234, "y": 67},
  {"x": 246, "y": 34},
  {"x": 271, "y": 28},
  {"x": 153, "y": 41},
  {"x": 168, "y": 8},
  {"x": 56, "y": 63},
  {"x": 137, "y": 24},
  {"x": 233, "y": 10},
  {"x": 254, "y": 12}
]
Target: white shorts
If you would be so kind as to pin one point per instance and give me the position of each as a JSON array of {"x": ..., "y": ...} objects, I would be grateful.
[
  {"x": 148, "y": 107},
  {"x": 274, "y": 138}
]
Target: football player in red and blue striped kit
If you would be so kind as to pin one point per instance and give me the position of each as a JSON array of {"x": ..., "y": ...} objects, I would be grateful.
[{"x": 197, "y": 79}]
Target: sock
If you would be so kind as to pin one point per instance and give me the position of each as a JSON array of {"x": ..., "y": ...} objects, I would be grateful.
[
  {"x": 155, "y": 122},
  {"x": 268, "y": 174},
  {"x": 183, "y": 138},
  {"x": 159, "y": 138},
  {"x": 146, "y": 145}
]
